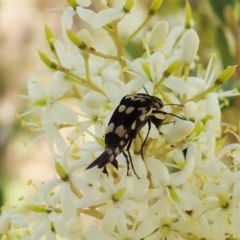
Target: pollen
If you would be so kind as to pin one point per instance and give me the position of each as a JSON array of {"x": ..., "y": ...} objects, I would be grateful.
[
  {"x": 169, "y": 199},
  {"x": 29, "y": 182},
  {"x": 187, "y": 222},
  {"x": 189, "y": 180},
  {"x": 21, "y": 198},
  {"x": 23, "y": 123},
  {"x": 125, "y": 69},
  {"x": 136, "y": 212},
  {"x": 228, "y": 153},
  {"x": 150, "y": 190},
  {"x": 29, "y": 67},
  {"x": 226, "y": 130}
]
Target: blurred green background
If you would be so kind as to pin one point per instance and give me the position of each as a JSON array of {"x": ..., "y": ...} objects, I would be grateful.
[{"x": 217, "y": 23}]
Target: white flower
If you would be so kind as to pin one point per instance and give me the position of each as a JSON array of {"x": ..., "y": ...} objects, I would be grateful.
[
  {"x": 179, "y": 131},
  {"x": 141, "y": 230},
  {"x": 167, "y": 227},
  {"x": 184, "y": 190},
  {"x": 158, "y": 34},
  {"x": 166, "y": 187},
  {"x": 5, "y": 221},
  {"x": 94, "y": 100},
  {"x": 106, "y": 16},
  {"x": 116, "y": 199},
  {"x": 189, "y": 47}
]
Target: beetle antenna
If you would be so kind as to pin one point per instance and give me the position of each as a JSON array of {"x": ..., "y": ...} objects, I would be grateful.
[
  {"x": 172, "y": 104},
  {"x": 145, "y": 89},
  {"x": 166, "y": 113}
]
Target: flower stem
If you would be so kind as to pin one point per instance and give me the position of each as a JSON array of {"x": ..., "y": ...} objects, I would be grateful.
[
  {"x": 102, "y": 55},
  {"x": 142, "y": 25}
]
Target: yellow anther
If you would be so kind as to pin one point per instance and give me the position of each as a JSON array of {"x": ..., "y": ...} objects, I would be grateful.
[
  {"x": 29, "y": 182},
  {"x": 29, "y": 67},
  {"x": 189, "y": 180},
  {"x": 228, "y": 153},
  {"x": 212, "y": 54},
  {"x": 226, "y": 130},
  {"x": 136, "y": 212}
]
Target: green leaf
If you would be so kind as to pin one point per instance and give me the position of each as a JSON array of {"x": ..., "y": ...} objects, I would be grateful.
[
  {"x": 218, "y": 7},
  {"x": 222, "y": 45}
]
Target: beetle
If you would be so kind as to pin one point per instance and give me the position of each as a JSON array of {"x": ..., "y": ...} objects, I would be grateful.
[{"x": 130, "y": 116}]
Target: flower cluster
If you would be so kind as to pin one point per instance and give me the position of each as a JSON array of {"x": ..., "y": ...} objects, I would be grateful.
[{"x": 185, "y": 191}]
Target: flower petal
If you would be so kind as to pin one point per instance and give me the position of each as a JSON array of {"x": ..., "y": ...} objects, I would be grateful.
[
  {"x": 179, "y": 131},
  {"x": 158, "y": 170},
  {"x": 94, "y": 100},
  {"x": 106, "y": 16}
]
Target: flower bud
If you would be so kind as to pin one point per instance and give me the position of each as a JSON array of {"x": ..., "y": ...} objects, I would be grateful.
[
  {"x": 49, "y": 36},
  {"x": 128, "y": 5},
  {"x": 76, "y": 40},
  {"x": 94, "y": 100},
  {"x": 119, "y": 193},
  {"x": 73, "y": 225},
  {"x": 101, "y": 142},
  {"x": 189, "y": 48},
  {"x": 226, "y": 74},
  {"x": 72, "y": 3},
  {"x": 156, "y": 4},
  {"x": 171, "y": 68},
  {"x": 190, "y": 109},
  {"x": 60, "y": 170},
  {"x": 188, "y": 15},
  {"x": 173, "y": 194},
  {"x": 146, "y": 69},
  {"x": 137, "y": 145},
  {"x": 179, "y": 131},
  {"x": 158, "y": 34},
  {"x": 222, "y": 200},
  {"x": 86, "y": 37},
  {"x": 37, "y": 208},
  {"x": 46, "y": 60}
]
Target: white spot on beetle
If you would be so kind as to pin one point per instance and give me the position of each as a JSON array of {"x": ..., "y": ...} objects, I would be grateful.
[
  {"x": 133, "y": 125},
  {"x": 116, "y": 151},
  {"x": 120, "y": 131},
  {"x": 129, "y": 110},
  {"x": 121, "y": 108},
  {"x": 109, "y": 128},
  {"x": 142, "y": 117}
]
